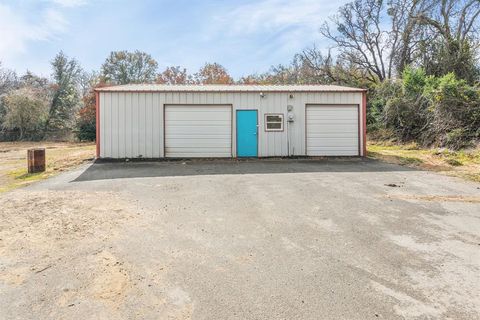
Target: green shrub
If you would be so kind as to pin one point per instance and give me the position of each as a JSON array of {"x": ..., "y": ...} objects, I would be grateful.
[
  {"x": 377, "y": 101},
  {"x": 414, "y": 81},
  {"x": 457, "y": 139},
  {"x": 86, "y": 119},
  {"x": 86, "y": 132},
  {"x": 455, "y": 106},
  {"x": 442, "y": 111}
]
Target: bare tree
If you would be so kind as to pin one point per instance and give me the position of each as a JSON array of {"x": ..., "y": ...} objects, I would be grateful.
[
  {"x": 360, "y": 39},
  {"x": 87, "y": 81},
  {"x": 8, "y": 80},
  {"x": 379, "y": 37},
  {"x": 254, "y": 79},
  {"x": 455, "y": 20},
  {"x": 320, "y": 66},
  {"x": 310, "y": 67},
  {"x": 453, "y": 33},
  {"x": 406, "y": 32}
]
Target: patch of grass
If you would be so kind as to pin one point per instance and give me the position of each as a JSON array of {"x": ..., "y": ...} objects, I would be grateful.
[
  {"x": 463, "y": 163},
  {"x": 20, "y": 177},
  {"x": 394, "y": 158},
  {"x": 59, "y": 157},
  {"x": 411, "y": 160},
  {"x": 453, "y": 162}
]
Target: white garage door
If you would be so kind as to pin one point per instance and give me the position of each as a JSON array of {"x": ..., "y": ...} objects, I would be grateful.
[
  {"x": 198, "y": 131},
  {"x": 332, "y": 130}
]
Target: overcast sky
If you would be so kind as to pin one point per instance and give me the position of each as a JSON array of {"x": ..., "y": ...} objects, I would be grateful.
[{"x": 243, "y": 36}]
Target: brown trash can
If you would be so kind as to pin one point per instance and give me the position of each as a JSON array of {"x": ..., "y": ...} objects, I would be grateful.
[{"x": 36, "y": 160}]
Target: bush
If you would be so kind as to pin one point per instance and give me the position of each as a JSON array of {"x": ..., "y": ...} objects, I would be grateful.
[
  {"x": 377, "y": 101},
  {"x": 86, "y": 119},
  {"x": 457, "y": 139},
  {"x": 443, "y": 111},
  {"x": 455, "y": 107},
  {"x": 24, "y": 112},
  {"x": 405, "y": 112},
  {"x": 86, "y": 131},
  {"x": 414, "y": 81}
]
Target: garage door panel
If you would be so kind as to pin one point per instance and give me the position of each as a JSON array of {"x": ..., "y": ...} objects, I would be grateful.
[
  {"x": 335, "y": 148},
  {"x": 323, "y": 143},
  {"x": 333, "y": 121},
  {"x": 340, "y": 131},
  {"x": 198, "y": 116},
  {"x": 198, "y": 125},
  {"x": 319, "y": 139},
  {"x": 336, "y": 152},
  {"x": 182, "y": 128},
  {"x": 338, "y": 117},
  {"x": 347, "y": 132},
  {"x": 329, "y": 112},
  {"x": 198, "y": 131},
  {"x": 333, "y": 116},
  {"x": 332, "y": 130},
  {"x": 341, "y": 127},
  {"x": 179, "y": 154},
  {"x": 193, "y": 137},
  {"x": 214, "y": 144}
]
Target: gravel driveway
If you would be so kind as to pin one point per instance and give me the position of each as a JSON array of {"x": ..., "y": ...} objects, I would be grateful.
[{"x": 270, "y": 239}]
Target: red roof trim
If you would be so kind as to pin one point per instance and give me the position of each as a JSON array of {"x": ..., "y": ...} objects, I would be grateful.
[{"x": 97, "y": 120}]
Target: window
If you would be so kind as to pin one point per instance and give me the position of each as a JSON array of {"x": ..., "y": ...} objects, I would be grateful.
[{"x": 274, "y": 122}]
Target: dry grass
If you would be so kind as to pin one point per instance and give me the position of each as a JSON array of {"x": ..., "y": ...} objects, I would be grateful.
[
  {"x": 60, "y": 156},
  {"x": 464, "y": 163},
  {"x": 63, "y": 155}
]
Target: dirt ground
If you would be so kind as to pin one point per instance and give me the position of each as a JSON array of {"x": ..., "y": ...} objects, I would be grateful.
[
  {"x": 60, "y": 156},
  {"x": 336, "y": 239},
  {"x": 62, "y": 230},
  {"x": 464, "y": 164}
]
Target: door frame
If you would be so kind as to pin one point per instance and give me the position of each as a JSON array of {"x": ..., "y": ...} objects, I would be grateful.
[
  {"x": 198, "y": 104},
  {"x": 236, "y": 132},
  {"x": 340, "y": 105}
]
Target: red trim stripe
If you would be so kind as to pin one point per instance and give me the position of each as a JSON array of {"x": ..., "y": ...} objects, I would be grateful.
[
  {"x": 364, "y": 115},
  {"x": 97, "y": 116}
]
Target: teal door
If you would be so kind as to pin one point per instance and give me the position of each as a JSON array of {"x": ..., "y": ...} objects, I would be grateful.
[{"x": 247, "y": 133}]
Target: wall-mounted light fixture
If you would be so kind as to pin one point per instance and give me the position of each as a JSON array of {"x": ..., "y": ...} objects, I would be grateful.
[
  {"x": 262, "y": 95},
  {"x": 291, "y": 96}
]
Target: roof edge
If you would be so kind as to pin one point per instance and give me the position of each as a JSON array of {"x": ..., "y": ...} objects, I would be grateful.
[{"x": 227, "y": 88}]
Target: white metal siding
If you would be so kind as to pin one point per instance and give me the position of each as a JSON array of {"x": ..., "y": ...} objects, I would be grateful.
[
  {"x": 131, "y": 123},
  {"x": 198, "y": 131},
  {"x": 332, "y": 130}
]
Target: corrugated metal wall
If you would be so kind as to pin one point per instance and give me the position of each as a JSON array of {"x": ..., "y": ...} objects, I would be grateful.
[{"x": 131, "y": 124}]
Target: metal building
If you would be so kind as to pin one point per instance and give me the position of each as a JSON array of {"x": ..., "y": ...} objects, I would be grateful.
[{"x": 187, "y": 121}]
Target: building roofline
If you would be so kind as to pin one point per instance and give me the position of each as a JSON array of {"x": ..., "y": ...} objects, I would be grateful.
[{"x": 150, "y": 88}]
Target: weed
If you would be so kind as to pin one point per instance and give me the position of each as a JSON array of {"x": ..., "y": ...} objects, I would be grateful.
[{"x": 462, "y": 163}]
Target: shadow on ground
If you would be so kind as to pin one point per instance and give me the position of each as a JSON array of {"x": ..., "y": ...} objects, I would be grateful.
[{"x": 118, "y": 170}]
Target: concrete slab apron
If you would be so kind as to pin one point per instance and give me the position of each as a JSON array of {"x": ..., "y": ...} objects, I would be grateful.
[{"x": 312, "y": 244}]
